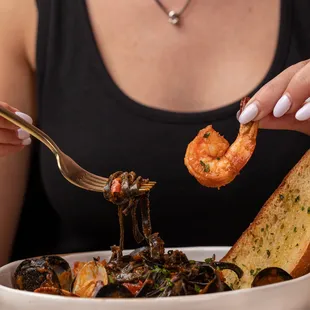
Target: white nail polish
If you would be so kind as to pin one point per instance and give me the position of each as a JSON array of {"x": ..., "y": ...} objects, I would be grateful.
[
  {"x": 24, "y": 116},
  {"x": 282, "y": 106},
  {"x": 249, "y": 113},
  {"x": 237, "y": 115},
  {"x": 22, "y": 134},
  {"x": 303, "y": 113},
  {"x": 26, "y": 141}
]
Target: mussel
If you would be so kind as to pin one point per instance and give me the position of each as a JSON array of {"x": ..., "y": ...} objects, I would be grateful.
[
  {"x": 215, "y": 285},
  {"x": 114, "y": 290},
  {"x": 62, "y": 269},
  {"x": 45, "y": 271},
  {"x": 271, "y": 275}
]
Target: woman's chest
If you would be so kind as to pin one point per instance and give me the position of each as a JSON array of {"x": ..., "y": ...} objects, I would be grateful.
[{"x": 219, "y": 46}]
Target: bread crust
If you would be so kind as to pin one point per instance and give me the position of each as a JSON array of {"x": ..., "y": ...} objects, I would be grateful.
[{"x": 303, "y": 266}]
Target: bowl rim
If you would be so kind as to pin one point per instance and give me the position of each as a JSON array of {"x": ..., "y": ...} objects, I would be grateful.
[{"x": 172, "y": 299}]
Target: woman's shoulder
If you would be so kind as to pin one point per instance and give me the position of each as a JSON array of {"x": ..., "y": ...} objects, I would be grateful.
[{"x": 18, "y": 26}]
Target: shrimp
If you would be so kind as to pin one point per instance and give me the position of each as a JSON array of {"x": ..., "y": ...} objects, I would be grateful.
[{"x": 215, "y": 163}]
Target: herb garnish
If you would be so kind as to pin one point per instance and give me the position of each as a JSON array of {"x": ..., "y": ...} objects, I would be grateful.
[
  {"x": 209, "y": 260},
  {"x": 197, "y": 288},
  {"x": 206, "y": 167}
]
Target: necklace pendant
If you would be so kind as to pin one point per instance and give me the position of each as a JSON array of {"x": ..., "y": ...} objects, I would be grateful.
[{"x": 174, "y": 18}]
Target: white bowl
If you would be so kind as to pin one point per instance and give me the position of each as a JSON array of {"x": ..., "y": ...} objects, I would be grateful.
[{"x": 290, "y": 295}]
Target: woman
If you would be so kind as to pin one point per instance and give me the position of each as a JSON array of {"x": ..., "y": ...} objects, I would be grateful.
[{"x": 119, "y": 87}]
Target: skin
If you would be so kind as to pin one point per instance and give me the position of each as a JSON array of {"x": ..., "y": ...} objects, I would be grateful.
[{"x": 179, "y": 69}]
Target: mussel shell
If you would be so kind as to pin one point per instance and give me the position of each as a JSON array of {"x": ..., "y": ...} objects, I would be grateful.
[
  {"x": 271, "y": 275},
  {"x": 216, "y": 285},
  {"x": 62, "y": 269},
  {"x": 114, "y": 291},
  {"x": 230, "y": 266},
  {"x": 31, "y": 274}
]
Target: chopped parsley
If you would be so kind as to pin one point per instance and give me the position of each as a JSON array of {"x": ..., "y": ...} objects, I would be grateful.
[
  {"x": 297, "y": 198},
  {"x": 169, "y": 282},
  {"x": 111, "y": 280},
  {"x": 207, "y": 135},
  {"x": 295, "y": 229},
  {"x": 161, "y": 270},
  {"x": 308, "y": 211},
  {"x": 206, "y": 167},
  {"x": 209, "y": 260},
  {"x": 197, "y": 288},
  {"x": 302, "y": 208},
  {"x": 268, "y": 253}
]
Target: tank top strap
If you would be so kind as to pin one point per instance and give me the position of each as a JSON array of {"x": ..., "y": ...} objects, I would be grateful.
[
  {"x": 44, "y": 11},
  {"x": 301, "y": 26},
  {"x": 63, "y": 51}
]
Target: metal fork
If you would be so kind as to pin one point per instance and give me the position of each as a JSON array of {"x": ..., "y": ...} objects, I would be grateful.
[{"x": 67, "y": 166}]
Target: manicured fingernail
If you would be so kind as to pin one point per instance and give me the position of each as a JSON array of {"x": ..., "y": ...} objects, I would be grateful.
[
  {"x": 26, "y": 141},
  {"x": 22, "y": 134},
  {"x": 249, "y": 113},
  {"x": 303, "y": 113},
  {"x": 24, "y": 116},
  {"x": 282, "y": 106},
  {"x": 237, "y": 115}
]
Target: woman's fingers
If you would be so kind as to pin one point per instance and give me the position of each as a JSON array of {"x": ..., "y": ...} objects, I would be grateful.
[
  {"x": 303, "y": 113},
  {"x": 12, "y": 138},
  {"x": 8, "y": 136},
  {"x": 296, "y": 93},
  {"x": 284, "y": 94},
  {"x": 287, "y": 122},
  {"x": 7, "y": 149}
]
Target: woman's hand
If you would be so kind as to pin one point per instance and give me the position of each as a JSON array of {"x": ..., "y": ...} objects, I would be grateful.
[
  {"x": 12, "y": 138},
  {"x": 284, "y": 102}
]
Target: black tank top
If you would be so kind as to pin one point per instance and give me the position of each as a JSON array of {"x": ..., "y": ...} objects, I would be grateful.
[{"x": 96, "y": 124}]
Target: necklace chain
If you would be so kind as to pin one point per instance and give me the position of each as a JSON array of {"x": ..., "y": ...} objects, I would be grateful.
[{"x": 173, "y": 17}]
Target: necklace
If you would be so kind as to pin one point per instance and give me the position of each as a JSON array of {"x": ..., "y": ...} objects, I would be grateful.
[{"x": 173, "y": 17}]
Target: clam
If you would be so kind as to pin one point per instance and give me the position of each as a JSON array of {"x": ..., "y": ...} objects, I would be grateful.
[
  {"x": 91, "y": 275},
  {"x": 54, "y": 291}
]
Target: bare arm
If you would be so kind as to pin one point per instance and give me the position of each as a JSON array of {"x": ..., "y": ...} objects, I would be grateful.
[{"x": 16, "y": 89}]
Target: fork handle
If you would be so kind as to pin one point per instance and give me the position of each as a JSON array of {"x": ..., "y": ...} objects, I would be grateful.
[{"x": 31, "y": 129}]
